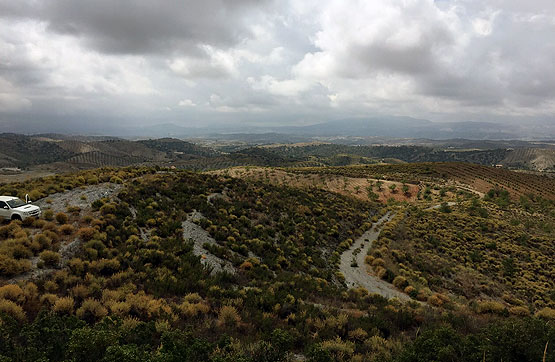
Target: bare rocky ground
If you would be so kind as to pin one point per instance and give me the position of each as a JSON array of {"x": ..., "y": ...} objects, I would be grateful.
[
  {"x": 359, "y": 276},
  {"x": 436, "y": 207},
  {"x": 59, "y": 202},
  {"x": 199, "y": 236},
  {"x": 81, "y": 197}
]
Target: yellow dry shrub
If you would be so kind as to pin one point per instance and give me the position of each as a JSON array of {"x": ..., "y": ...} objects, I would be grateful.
[
  {"x": 138, "y": 303},
  {"x": 130, "y": 323},
  {"x": 12, "y": 292},
  {"x": 62, "y": 218},
  {"x": 77, "y": 266},
  {"x": 80, "y": 291},
  {"x": 112, "y": 295},
  {"x": 87, "y": 233},
  {"x": 519, "y": 311},
  {"x": 50, "y": 258},
  {"x": 378, "y": 262},
  {"x": 52, "y": 235},
  {"x": 145, "y": 305},
  {"x": 435, "y": 300},
  {"x": 64, "y": 305},
  {"x": 358, "y": 334},
  {"x": 66, "y": 229},
  {"x": 10, "y": 266},
  {"x": 380, "y": 272},
  {"x": 48, "y": 299},
  {"x": 120, "y": 308},
  {"x": 192, "y": 310},
  {"x": 119, "y": 278},
  {"x": 246, "y": 265},
  {"x": 158, "y": 307},
  {"x": 91, "y": 309},
  {"x": 376, "y": 343},
  {"x": 368, "y": 259},
  {"x": 228, "y": 316},
  {"x": 547, "y": 313},
  {"x": 50, "y": 286},
  {"x": 12, "y": 309},
  {"x": 423, "y": 294},
  {"x": 358, "y": 292},
  {"x": 31, "y": 291},
  {"x": 409, "y": 289},
  {"x": 22, "y": 234},
  {"x": 35, "y": 247},
  {"x": 44, "y": 241},
  {"x": 39, "y": 223},
  {"x": 400, "y": 282},
  {"x": 339, "y": 350},
  {"x": 50, "y": 226},
  {"x": 193, "y": 298},
  {"x": 489, "y": 306}
]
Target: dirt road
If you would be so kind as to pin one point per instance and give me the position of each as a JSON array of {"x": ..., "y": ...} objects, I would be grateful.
[{"x": 359, "y": 275}]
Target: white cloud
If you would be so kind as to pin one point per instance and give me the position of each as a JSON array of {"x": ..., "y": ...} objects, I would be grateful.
[
  {"x": 286, "y": 88},
  {"x": 186, "y": 103}
]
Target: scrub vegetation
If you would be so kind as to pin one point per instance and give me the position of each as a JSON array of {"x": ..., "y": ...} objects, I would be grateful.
[{"x": 117, "y": 281}]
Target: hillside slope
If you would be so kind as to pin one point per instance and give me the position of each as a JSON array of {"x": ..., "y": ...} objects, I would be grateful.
[
  {"x": 126, "y": 273},
  {"x": 538, "y": 159}
]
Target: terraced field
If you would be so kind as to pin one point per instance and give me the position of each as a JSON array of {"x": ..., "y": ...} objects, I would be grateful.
[
  {"x": 480, "y": 178},
  {"x": 531, "y": 158},
  {"x": 99, "y": 159}
]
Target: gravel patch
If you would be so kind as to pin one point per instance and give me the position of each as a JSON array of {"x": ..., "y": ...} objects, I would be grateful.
[
  {"x": 81, "y": 197},
  {"x": 199, "y": 236},
  {"x": 359, "y": 276}
]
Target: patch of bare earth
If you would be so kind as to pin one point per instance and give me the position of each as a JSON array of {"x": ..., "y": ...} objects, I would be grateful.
[
  {"x": 200, "y": 237},
  {"x": 23, "y": 175},
  {"x": 350, "y": 186},
  {"x": 358, "y": 274},
  {"x": 80, "y": 197}
]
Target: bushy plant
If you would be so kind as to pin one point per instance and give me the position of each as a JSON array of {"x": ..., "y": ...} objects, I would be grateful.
[
  {"x": 64, "y": 305},
  {"x": 50, "y": 258}
]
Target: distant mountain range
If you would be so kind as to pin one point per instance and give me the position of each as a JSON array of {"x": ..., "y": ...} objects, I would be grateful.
[{"x": 399, "y": 127}]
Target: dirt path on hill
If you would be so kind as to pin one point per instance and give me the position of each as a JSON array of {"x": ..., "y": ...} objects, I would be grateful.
[{"x": 359, "y": 275}]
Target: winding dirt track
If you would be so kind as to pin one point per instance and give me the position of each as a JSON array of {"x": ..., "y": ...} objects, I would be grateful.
[{"x": 359, "y": 275}]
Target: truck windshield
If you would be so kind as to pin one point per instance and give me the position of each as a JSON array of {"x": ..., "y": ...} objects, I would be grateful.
[{"x": 15, "y": 203}]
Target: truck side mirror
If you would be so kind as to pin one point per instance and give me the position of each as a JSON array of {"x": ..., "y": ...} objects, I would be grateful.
[{"x": 6, "y": 207}]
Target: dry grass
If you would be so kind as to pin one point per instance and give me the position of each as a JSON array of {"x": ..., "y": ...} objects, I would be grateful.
[{"x": 349, "y": 186}]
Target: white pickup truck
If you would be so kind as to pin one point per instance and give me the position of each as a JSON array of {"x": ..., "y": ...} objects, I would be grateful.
[{"x": 13, "y": 208}]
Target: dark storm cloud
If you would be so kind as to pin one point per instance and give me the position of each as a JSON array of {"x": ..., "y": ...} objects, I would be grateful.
[
  {"x": 143, "y": 26},
  {"x": 144, "y": 62}
]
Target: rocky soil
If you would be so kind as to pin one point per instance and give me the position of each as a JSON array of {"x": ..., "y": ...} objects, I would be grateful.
[
  {"x": 81, "y": 197},
  {"x": 199, "y": 236},
  {"x": 360, "y": 275}
]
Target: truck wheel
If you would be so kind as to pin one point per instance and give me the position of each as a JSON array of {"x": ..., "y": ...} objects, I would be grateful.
[{"x": 16, "y": 217}]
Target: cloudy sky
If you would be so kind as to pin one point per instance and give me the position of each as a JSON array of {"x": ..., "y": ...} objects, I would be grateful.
[{"x": 93, "y": 65}]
